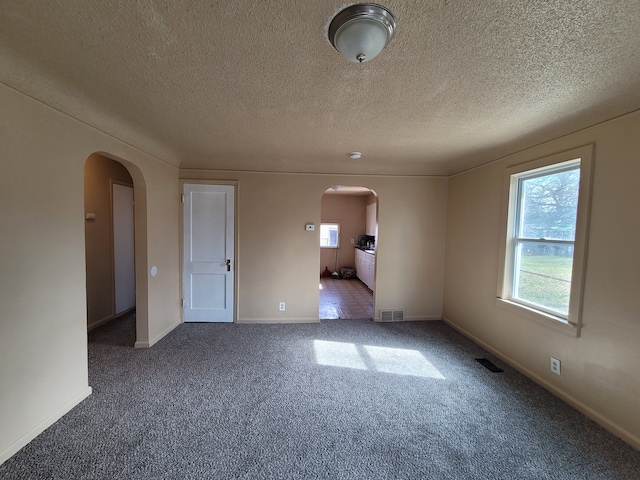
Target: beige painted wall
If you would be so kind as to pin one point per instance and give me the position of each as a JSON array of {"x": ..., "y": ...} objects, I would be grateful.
[
  {"x": 43, "y": 320},
  {"x": 349, "y": 212},
  {"x": 277, "y": 260},
  {"x": 43, "y": 339},
  {"x": 600, "y": 371},
  {"x": 99, "y": 173}
]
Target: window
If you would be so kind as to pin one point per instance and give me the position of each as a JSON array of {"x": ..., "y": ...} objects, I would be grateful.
[
  {"x": 543, "y": 240},
  {"x": 329, "y": 235},
  {"x": 545, "y": 236}
]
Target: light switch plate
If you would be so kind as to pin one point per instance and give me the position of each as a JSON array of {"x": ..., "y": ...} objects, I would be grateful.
[{"x": 309, "y": 227}]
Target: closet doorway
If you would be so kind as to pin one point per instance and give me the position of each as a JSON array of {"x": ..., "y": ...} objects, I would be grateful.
[{"x": 348, "y": 235}]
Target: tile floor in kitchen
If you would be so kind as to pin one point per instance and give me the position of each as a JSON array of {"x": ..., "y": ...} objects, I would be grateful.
[{"x": 344, "y": 299}]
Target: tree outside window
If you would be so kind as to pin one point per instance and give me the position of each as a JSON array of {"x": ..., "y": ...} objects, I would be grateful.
[
  {"x": 544, "y": 247},
  {"x": 544, "y": 236}
]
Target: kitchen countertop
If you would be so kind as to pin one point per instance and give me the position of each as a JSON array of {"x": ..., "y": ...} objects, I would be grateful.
[{"x": 370, "y": 251}]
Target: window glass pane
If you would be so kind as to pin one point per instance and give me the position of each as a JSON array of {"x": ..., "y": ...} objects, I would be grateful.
[
  {"x": 542, "y": 274},
  {"x": 549, "y": 204},
  {"x": 329, "y": 235}
]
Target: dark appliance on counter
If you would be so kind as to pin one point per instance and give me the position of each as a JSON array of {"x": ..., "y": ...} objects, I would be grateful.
[{"x": 365, "y": 241}]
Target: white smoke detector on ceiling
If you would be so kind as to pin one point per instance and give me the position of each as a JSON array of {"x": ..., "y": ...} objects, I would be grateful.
[{"x": 355, "y": 155}]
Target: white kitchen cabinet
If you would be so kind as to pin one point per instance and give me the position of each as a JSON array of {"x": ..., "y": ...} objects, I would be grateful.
[
  {"x": 360, "y": 263},
  {"x": 371, "y": 220},
  {"x": 365, "y": 268},
  {"x": 370, "y": 268}
]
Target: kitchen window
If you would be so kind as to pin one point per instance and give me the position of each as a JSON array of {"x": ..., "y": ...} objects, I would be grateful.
[
  {"x": 544, "y": 246},
  {"x": 329, "y": 235}
]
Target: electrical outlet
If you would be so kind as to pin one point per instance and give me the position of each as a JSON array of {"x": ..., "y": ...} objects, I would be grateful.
[
  {"x": 281, "y": 306},
  {"x": 555, "y": 366}
]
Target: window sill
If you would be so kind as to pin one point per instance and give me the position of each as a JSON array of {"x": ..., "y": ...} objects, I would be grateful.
[{"x": 542, "y": 318}]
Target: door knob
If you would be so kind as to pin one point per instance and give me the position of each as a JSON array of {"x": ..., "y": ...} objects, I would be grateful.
[{"x": 228, "y": 265}]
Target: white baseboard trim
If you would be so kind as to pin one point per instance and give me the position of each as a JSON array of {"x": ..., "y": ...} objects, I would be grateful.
[
  {"x": 108, "y": 318},
  {"x": 102, "y": 321},
  {"x": 597, "y": 417},
  {"x": 278, "y": 320},
  {"x": 23, "y": 440},
  {"x": 157, "y": 338}
]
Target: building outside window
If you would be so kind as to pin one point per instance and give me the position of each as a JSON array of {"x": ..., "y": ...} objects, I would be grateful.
[{"x": 329, "y": 235}]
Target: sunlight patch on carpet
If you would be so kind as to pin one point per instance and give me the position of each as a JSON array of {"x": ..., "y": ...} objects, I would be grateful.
[
  {"x": 398, "y": 361},
  {"x": 337, "y": 354}
]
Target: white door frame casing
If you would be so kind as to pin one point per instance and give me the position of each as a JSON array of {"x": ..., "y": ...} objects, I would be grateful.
[{"x": 231, "y": 305}]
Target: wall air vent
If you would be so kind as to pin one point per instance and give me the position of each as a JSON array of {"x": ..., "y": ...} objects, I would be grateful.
[{"x": 391, "y": 315}]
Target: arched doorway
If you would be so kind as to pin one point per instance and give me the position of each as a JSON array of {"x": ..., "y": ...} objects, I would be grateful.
[
  {"x": 348, "y": 235},
  {"x": 112, "y": 248}
]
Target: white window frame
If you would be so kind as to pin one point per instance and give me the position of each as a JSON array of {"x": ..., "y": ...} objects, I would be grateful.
[
  {"x": 337, "y": 245},
  {"x": 573, "y": 321}
]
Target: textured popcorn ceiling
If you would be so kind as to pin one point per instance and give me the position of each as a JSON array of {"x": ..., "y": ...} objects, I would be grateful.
[{"x": 257, "y": 86}]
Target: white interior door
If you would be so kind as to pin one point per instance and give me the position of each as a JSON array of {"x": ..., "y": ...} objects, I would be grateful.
[
  {"x": 208, "y": 262},
  {"x": 123, "y": 248}
]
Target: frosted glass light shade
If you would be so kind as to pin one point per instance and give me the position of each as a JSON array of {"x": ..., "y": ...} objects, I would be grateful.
[
  {"x": 361, "y": 31},
  {"x": 361, "y": 37}
]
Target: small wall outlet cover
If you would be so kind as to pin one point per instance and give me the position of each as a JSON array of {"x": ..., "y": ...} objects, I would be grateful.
[
  {"x": 555, "y": 365},
  {"x": 281, "y": 306}
]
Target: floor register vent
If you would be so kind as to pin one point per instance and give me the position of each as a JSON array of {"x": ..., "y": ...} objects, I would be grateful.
[{"x": 391, "y": 315}]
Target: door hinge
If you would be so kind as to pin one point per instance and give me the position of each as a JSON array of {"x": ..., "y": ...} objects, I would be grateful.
[
  {"x": 184, "y": 302},
  {"x": 182, "y": 198}
]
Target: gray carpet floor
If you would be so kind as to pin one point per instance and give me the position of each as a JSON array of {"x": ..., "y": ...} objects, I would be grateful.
[{"x": 346, "y": 399}]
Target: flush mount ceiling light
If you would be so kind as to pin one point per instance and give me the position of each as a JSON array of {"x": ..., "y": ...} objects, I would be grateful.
[
  {"x": 355, "y": 155},
  {"x": 361, "y": 31}
]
